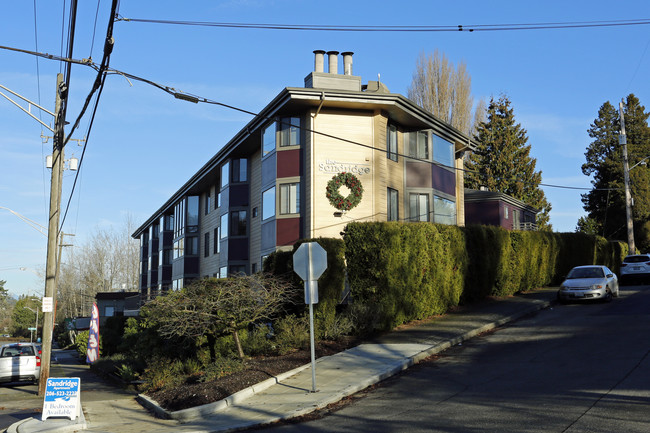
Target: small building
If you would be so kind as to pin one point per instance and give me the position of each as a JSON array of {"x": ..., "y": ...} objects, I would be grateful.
[
  {"x": 498, "y": 209},
  {"x": 271, "y": 184},
  {"x": 112, "y": 304}
]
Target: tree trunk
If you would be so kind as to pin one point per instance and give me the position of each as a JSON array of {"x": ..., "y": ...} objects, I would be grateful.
[
  {"x": 240, "y": 351},
  {"x": 211, "y": 342}
]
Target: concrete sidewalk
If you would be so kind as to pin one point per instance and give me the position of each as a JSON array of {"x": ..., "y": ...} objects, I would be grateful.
[{"x": 290, "y": 395}]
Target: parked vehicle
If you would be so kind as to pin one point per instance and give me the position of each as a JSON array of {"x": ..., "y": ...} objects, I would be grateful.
[
  {"x": 20, "y": 362},
  {"x": 635, "y": 267},
  {"x": 589, "y": 283}
]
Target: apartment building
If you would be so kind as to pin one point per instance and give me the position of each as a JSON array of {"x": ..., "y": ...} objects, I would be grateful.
[{"x": 314, "y": 159}]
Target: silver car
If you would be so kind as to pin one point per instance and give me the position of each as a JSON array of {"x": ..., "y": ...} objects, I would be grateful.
[
  {"x": 20, "y": 362},
  {"x": 589, "y": 283}
]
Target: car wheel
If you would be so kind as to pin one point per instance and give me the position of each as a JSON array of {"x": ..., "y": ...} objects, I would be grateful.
[{"x": 608, "y": 296}]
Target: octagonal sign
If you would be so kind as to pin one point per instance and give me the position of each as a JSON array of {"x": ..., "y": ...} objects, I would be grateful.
[{"x": 309, "y": 262}]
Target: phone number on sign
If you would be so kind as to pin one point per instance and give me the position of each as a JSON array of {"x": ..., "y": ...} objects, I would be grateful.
[{"x": 60, "y": 393}]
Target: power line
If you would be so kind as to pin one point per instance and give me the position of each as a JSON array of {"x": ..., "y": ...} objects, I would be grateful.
[
  {"x": 196, "y": 99},
  {"x": 398, "y": 28}
]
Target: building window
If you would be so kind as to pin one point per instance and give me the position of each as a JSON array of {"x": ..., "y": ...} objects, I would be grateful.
[
  {"x": 268, "y": 203},
  {"x": 167, "y": 257},
  {"x": 217, "y": 248},
  {"x": 206, "y": 244},
  {"x": 289, "y": 198},
  {"x": 268, "y": 139},
  {"x": 192, "y": 245},
  {"x": 419, "y": 207},
  {"x": 290, "y": 131},
  {"x": 505, "y": 212},
  {"x": 254, "y": 268},
  {"x": 239, "y": 170},
  {"x": 224, "y": 226},
  {"x": 418, "y": 146},
  {"x": 393, "y": 205},
  {"x": 225, "y": 174},
  {"x": 179, "y": 248},
  {"x": 391, "y": 142},
  {"x": 223, "y": 272},
  {"x": 443, "y": 151},
  {"x": 208, "y": 203},
  {"x": 193, "y": 214},
  {"x": 238, "y": 220},
  {"x": 217, "y": 203},
  {"x": 237, "y": 270},
  {"x": 444, "y": 211}
]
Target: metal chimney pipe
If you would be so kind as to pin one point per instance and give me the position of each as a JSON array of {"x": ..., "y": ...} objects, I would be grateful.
[
  {"x": 319, "y": 61},
  {"x": 347, "y": 62},
  {"x": 333, "y": 62}
]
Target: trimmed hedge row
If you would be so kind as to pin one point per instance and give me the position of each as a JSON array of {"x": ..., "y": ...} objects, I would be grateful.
[{"x": 412, "y": 271}]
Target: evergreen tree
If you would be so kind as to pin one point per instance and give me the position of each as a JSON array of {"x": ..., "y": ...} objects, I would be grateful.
[
  {"x": 605, "y": 203},
  {"x": 502, "y": 161}
]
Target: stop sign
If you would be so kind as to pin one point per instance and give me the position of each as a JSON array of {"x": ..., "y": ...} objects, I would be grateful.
[{"x": 309, "y": 262}]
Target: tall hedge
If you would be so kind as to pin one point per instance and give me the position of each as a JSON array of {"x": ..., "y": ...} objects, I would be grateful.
[{"x": 411, "y": 271}]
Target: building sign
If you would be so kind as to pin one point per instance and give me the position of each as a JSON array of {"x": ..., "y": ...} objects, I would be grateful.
[
  {"x": 92, "y": 352},
  {"x": 334, "y": 167},
  {"x": 62, "y": 398}
]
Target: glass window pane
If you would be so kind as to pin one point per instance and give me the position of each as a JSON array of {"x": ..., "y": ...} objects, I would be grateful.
[
  {"x": 444, "y": 211},
  {"x": 443, "y": 151},
  {"x": 290, "y": 131},
  {"x": 225, "y": 174},
  {"x": 268, "y": 203},
  {"x": 268, "y": 139},
  {"x": 224, "y": 226},
  {"x": 393, "y": 205},
  {"x": 391, "y": 143},
  {"x": 289, "y": 198}
]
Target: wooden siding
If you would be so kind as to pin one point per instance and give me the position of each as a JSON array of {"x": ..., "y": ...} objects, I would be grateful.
[{"x": 331, "y": 156}]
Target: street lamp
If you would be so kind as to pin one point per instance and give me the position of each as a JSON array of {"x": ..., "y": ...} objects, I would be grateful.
[{"x": 35, "y": 326}]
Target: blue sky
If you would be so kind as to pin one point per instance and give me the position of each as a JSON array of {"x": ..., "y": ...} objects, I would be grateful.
[{"x": 145, "y": 144}]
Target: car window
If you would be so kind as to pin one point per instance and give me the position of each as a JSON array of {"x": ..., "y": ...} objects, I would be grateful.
[
  {"x": 10, "y": 351},
  {"x": 26, "y": 351},
  {"x": 636, "y": 259},
  {"x": 585, "y": 273}
]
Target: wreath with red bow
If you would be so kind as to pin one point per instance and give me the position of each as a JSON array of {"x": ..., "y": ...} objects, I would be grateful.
[{"x": 334, "y": 196}]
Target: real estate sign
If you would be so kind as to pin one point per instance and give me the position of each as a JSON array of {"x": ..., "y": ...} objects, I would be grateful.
[{"x": 62, "y": 398}]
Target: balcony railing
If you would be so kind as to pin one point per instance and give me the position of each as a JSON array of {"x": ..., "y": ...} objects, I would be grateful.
[{"x": 527, "y": 226}]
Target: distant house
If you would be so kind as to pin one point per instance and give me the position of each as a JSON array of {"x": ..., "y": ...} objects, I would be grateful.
[
  {"x": 498, "y": 209},
  {"x": 112, "y": 304}
]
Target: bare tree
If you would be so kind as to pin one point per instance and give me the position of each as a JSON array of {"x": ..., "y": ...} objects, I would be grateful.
[
  {"x": 213, "y": 307},
  {"x": 442, "y": 89},
  {"x": 108, "y": 261}
]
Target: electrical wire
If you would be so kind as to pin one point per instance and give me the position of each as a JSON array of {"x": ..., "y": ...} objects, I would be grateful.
[
  {"x": 196, "y": 99},
  {"x": 398, "y": 28}
]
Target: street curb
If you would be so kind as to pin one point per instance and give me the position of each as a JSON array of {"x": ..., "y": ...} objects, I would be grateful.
[
  {"x": 192, "y": 413},
  {"x": 34, "y": 425}
]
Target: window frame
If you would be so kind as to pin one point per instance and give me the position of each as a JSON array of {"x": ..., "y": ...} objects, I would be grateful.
[
  {"x": 391, "y": 142},
  {"x": 392, "y": 214},
  {"x": 287, "y": 200},
  {"x": 418, "y": 217}
]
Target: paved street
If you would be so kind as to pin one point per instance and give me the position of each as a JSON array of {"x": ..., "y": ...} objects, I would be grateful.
[
  {"x": 21, "y": 401},
  {"x": 572, "y": 368}
]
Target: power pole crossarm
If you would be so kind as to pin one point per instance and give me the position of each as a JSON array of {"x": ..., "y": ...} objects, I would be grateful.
[{"x": 27, "y": 110}]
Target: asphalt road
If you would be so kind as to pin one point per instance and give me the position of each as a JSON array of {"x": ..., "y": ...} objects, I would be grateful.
[
  {"x": 21, "y": 401},
  {"x": 571, "y": 368}
]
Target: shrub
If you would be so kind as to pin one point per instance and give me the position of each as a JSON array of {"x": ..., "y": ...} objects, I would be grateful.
[{"x": 291, "y": 332}]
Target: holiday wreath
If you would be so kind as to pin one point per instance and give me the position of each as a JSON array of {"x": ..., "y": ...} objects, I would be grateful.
[{"x": 336, "y": 199}]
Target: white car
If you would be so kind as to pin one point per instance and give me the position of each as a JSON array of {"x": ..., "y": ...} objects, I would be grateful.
[
  {"x": 592, "y": 282},
  {"x": 20, "y": 362},
  {"x": 635, "y": 267}
]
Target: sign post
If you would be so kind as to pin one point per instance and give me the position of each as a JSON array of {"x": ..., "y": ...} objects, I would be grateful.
[{"x": 309, "y": 262}]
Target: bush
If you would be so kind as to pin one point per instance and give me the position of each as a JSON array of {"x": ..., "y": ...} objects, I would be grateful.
[{"x": 291, "y": 332}]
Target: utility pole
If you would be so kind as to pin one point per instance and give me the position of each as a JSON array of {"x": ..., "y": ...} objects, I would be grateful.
[
  {"x": 53, "y": 230},
  {"x": 622, "y": 139}
]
